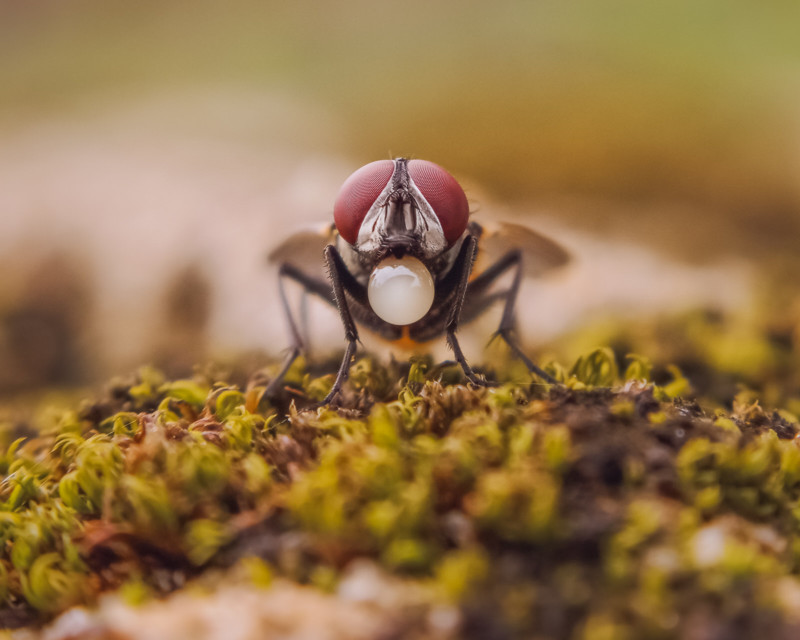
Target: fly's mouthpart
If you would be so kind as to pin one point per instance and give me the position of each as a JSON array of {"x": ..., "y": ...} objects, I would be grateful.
[{"x": 401, "y": 290}]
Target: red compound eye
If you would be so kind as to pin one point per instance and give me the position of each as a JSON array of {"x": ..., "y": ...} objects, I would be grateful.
[
  {"x": 444, "y": 194},
  {"x": 358, "y": 194}
]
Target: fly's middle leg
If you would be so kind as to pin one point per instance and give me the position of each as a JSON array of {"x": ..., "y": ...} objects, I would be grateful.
[
  {"x": 297, "y": 343},
  {"x": 479, "y": 298}
]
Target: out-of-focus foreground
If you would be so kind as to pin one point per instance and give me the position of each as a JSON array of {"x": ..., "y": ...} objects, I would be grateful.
[{"x": 152, "y": 153}]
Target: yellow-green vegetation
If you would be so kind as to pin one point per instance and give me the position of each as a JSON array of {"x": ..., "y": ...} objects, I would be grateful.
[{"x": 603, "y": 507}]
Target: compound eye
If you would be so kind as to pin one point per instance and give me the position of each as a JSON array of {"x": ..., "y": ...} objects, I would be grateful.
[
  {"x": 444, "y": 194},
  {"x": 358, "y": 194}
]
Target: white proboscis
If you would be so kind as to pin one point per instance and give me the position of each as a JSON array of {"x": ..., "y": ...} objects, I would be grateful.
[{"x": 400, "y": 290}]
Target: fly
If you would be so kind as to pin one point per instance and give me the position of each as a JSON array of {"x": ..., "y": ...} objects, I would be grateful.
[{"x": 401, "y": 259}]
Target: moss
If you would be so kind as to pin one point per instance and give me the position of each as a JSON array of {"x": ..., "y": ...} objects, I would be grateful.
[{"x": 607, "y": 506}]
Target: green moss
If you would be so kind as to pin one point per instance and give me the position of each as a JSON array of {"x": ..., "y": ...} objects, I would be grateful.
[
  {"x": 461, "y": 571},
  {"x": 598, "y": 368},
  {"x": 612, "y": 506}
]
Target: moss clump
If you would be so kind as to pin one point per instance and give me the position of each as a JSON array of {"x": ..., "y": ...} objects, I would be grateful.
[{"x": 601, "y": 507}]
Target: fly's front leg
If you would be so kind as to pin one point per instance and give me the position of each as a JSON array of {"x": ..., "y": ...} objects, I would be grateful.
[
  {"x": 336, "y": 268},
  {"x": 466, "y": 258},
  {"x": 513, "y": 259}
]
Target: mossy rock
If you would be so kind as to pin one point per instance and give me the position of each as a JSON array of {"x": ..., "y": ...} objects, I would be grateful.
[{"x": 603, "y": 507}]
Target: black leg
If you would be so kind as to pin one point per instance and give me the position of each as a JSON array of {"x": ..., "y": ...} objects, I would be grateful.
[
  {"x": 297, "y": 345},
  {"x": 478, "y": 299},
  {"x": 466, "y": 258},
  {"x": 336, "y": 268},
  {"x": 303, "y": 328}
]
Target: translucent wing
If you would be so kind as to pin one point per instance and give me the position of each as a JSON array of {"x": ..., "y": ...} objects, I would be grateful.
[
  {"x": 304, "y": 249},
  {"x": 540, "y": 255}
]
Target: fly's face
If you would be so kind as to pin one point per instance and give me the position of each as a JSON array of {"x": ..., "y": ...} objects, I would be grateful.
[{"x": 400, "y": 216}]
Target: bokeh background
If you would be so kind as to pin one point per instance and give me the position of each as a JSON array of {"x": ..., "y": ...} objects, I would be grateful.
[{"x": 152, "y": 153}]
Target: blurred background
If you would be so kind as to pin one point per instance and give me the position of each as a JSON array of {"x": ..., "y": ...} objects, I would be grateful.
[{"x": 152, "y": 153}]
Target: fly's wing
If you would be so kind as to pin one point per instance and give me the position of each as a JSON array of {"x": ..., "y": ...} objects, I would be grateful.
[
  {"x": 540, "y": 255},
  {"x": 304, "y": 250}
]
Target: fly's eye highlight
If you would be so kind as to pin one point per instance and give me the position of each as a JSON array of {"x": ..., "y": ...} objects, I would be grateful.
[
  {"x": 400, "y": 290},
  {"x": 358, "y": 194},
  {"x": 444, "y": 194}
]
